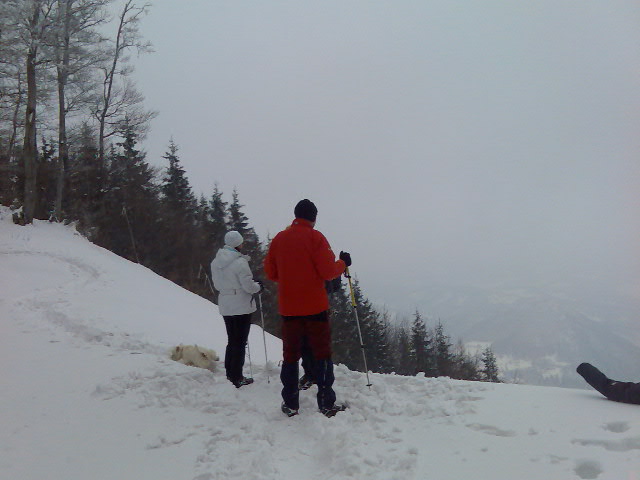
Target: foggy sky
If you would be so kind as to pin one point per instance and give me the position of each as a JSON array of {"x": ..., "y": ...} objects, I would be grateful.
[{"x": 470, "y": 143}]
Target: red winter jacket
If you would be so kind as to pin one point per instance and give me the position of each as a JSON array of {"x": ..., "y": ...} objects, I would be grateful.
[{"x": 300, "y": 260}]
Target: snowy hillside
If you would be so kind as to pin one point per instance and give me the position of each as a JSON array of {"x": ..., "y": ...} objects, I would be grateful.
[{"x": 88, "y": 391}]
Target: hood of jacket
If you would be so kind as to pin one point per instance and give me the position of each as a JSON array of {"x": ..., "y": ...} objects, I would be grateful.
[{"x": 226, "y": 256}]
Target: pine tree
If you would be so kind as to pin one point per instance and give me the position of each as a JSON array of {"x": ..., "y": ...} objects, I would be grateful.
[
  {"x": 128, "y": 226},
  {"x": 420, "y": 347},
  {"x": 212, "y": 223},
  {"x": 238, "y": 221},
  {"x": 345, "y": 342},
  {"x": 404, "y": 361},
  {"x": 45, "y": 184},
  {"x": 177, "y": 253},
  {"x": 442, "y": 352},
  {"x": 86, "y": 179},
  {"x": 8, "y": 175},
  {"x": 384, "y": 357},
  {"x": 216, "y": 225},
  {"x": 176, "y": 191},
  {"x": 490, "y": 371},
  {"x": 465, "y": 366},
  {"x": 374, "y": 335}
]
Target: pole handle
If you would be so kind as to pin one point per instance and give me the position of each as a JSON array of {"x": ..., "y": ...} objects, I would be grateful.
[{"x": 351, "y": 294}]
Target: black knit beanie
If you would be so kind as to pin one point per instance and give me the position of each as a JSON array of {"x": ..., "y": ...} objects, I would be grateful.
[{"x": 306, "y": 209}]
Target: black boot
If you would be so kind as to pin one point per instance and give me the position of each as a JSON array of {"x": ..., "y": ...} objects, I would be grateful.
[
  {"x": 289, "y": 412},
  {"x": 305, "y": 382},
  {"x": 595, "y": 378},
  {"x": 242, "y": 381},
  {"x": 335, "y": 408}
]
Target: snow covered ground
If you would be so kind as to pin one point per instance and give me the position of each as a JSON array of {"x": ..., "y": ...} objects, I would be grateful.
[{"x": 89, "y": 391}]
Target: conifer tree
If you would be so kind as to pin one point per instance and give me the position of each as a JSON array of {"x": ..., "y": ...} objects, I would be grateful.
[
  {"x": 490, "y": 371},
  {"x": 211, "y": 219},
  {"x": 131, "y": 203},
  {"x": 178, "y": 255},
  {"x": 374, "y": 334},
  {"x": 45, "y": 181},
  {"x": 404, "y": 362},
  {"x": 384, "y": 358},
  {"x": 465, "y": 366},
  {"x": 86, "y": 182},
  {"x": 8, "y": 176},
  {"x": 204, "y": 251},
  {"x": 344, "y": 333},
  {"x": 442, "y": 352},
  {"x": 216, "y": 225},
  {"x": 176, "y": 192},
  {"x": 420, "y": 347},
  {"x": 238, "y": 221}
]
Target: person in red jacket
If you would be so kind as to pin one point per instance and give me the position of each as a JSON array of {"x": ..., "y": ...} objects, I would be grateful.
[{"x": 300, "y": 260}]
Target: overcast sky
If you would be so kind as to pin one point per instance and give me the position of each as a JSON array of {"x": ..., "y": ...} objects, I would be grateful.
[{"x": 464, "y": 142}]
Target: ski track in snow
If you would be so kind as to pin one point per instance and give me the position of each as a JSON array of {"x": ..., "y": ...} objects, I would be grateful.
[{"x": 396, "y": 430}]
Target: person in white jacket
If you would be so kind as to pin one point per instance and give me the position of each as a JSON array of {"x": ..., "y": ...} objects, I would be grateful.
[{"x": 232, "y": 277}]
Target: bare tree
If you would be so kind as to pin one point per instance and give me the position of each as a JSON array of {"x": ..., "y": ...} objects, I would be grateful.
[
  {"x": 119, "y": 103},
  {"x": 76, "y": 50},
  {"x": 12, "y": 90},
  {"x": 27, "y": 26}
]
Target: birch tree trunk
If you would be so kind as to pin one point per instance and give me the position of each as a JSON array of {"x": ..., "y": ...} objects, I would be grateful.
[
  {"x": 30, "y": 149},
  {"x": 64, "y": 12}
]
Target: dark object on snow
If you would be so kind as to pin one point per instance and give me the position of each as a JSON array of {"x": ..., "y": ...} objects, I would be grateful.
[
  {"x": 626, "y": 392},
  {"x": 242, "y": 382},
  {"x": 289, "y": 412},
  {"x": 305, "y": 383},
  {"x": 331, "y": 412}
]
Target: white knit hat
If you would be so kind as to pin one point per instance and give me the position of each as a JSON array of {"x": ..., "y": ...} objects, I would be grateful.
[{"x": 233, "y": 239}]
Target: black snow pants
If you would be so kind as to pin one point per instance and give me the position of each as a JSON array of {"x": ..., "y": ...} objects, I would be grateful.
[
  {"x": 626, "y": 392},
  {"x": 237, "y": 334}
]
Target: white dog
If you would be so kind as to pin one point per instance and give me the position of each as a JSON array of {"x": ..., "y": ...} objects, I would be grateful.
[{"x": 195, "y": 356}]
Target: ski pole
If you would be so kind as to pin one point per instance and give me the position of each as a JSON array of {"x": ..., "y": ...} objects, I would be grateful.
[
  {"x": 355, "y": 312},
  {"x": 264, "y": 338},
  {"x": 250, "y": 365},
  {"x": 201, "y": 271},
  {"x": 133, "y": 242}
]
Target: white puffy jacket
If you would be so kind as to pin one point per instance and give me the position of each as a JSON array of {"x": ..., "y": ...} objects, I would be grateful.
[{"x": 233, "y": 279}]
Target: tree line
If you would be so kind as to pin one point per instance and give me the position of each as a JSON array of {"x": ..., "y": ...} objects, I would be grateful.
[{"x": 71, "y": 120}]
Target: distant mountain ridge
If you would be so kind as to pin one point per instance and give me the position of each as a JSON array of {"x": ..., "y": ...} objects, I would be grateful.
[{"x": 539, "y": 334}]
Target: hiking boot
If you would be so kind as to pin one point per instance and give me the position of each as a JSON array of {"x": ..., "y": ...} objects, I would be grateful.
[
  {"x": 242, "y": 382},
  {"x": 331, "y": 411},
  {"x": 289, "y": 412},
  {"x": 305, "y": 383}
]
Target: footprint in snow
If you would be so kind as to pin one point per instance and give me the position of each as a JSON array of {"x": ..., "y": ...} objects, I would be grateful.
[
  {"x": 491, "y": 430},
  {"x": 588, "y": 469},
  {"x": 624, "y": 445},
  {"x": 617, "y": 427}
]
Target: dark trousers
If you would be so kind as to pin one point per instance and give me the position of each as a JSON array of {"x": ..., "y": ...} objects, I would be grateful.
[
  {"x": 317, "y": 331},
  {"x": 308, "y": 362},
  {"x": 627, "y": 392},
  {"x": 237, "y": 333}
]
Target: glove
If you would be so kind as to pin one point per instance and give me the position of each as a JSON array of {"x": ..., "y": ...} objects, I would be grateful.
[
  {"x": 346, "y": 258},
  {"x": 259, "y": 282}
]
